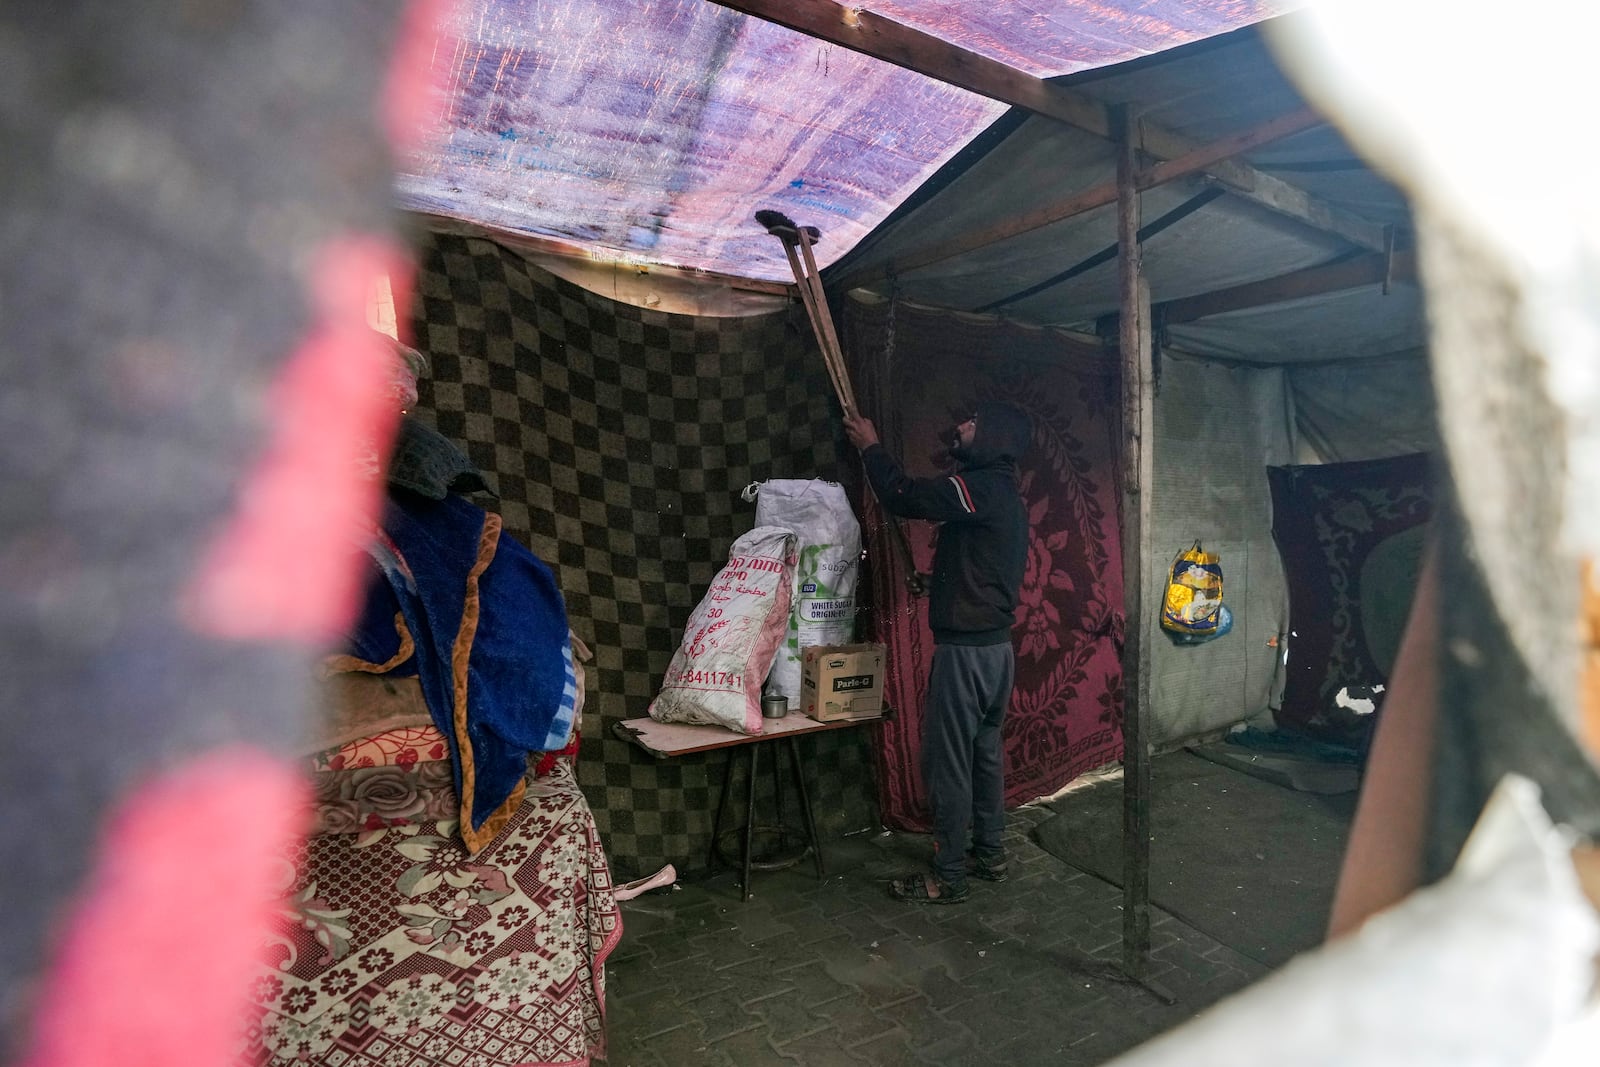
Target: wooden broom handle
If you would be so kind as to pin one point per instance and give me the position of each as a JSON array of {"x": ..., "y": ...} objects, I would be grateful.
[{"x": 815, "y": 300}]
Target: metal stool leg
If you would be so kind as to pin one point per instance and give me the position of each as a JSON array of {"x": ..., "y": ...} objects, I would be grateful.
[
  {"x": 805, "y": 805},
  {"x": 722, "y": 802},
  {"x": 777, "y": 790},
  {"x": 750, "y": 818}
]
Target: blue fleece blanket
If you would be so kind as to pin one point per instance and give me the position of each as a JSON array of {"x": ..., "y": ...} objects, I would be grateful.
[{"x": 465, "y": 588}]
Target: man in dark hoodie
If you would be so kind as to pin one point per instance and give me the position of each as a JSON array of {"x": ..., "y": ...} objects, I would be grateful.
[{"x": 977, "y": 569}]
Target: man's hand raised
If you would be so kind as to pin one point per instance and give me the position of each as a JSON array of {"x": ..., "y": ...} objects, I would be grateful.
[{"x": 859, "y": 430}]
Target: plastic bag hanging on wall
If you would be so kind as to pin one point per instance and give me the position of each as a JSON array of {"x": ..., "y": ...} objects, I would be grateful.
[{"x": 1192, "y": 606}]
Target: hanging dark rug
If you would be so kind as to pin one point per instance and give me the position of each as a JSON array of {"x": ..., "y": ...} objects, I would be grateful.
[{"x": 1351, "y": 538}]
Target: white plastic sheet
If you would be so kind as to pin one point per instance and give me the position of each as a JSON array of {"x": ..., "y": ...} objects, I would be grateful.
[{"x": 828, "y": 544}]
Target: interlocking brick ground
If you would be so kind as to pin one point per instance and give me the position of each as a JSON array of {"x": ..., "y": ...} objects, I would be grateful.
[{"x": 835, "y": 972}]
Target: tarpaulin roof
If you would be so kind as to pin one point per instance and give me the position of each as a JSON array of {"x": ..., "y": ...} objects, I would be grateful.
[{"x": 653, "y": 130}]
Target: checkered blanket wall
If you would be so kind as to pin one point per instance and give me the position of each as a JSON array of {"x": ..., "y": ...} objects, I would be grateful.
[{"x": 618, "y": 439}]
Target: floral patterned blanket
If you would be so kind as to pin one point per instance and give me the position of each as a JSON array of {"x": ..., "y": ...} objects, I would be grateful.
[
  {"x": 397, "y": 948},
  {"x": 917, "y": 370}
]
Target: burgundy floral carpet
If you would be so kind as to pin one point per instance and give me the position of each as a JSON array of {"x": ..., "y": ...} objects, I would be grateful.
[
  {"x": 398, "y": 949},
  {"x": 913, "y": 369}
]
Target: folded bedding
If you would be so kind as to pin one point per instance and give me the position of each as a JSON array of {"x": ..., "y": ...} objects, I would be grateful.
[
  {"x": 480, "y": 621},
  {"x": 357, "y": 706}
]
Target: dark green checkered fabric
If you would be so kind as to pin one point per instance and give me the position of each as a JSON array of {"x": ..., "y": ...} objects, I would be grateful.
[{"x": 619, "y": 439}]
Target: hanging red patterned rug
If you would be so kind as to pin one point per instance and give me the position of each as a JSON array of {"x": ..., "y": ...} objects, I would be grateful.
[{"x": 913, "y": 367}]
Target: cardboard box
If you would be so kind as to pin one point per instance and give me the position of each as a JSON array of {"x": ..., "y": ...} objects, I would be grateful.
[{"x": 841, "y": 681}]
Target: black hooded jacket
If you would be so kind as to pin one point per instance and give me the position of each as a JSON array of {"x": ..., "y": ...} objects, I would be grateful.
[{"x": 983, "y": 544}]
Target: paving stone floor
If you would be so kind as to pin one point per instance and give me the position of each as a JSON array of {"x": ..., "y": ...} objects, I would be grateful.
[{"x": 836, "y": 972}]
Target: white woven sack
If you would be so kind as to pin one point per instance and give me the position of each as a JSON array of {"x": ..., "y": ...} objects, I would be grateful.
[
  {"x": 715, "y": 675},
  {"x": 828, "y": 544}
]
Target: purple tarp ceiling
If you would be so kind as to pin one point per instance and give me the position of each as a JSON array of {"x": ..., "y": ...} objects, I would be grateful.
[{"x": 653, "y": 130}]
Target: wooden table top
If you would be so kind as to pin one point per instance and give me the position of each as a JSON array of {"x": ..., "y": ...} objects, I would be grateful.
[{"x": 665, "y": 739}]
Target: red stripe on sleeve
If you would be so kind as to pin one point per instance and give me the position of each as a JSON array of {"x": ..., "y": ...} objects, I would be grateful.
[{"x": 965, "y": 497}]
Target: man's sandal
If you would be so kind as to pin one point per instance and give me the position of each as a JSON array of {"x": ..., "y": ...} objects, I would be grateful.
[
  {"x": 988, "y": 870},
  {"x": 927, "y": 889}
]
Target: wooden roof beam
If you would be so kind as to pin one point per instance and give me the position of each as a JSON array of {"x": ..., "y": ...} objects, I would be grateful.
[
  {"x": 933, "y": 57},
  {"x": 1096, "y": 196},
  {"x": 1376, "y": 269},
  {"x": 893, "y": 42}
]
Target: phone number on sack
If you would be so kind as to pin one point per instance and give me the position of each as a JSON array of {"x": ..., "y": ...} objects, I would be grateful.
[{"x": 703, "y": 678}]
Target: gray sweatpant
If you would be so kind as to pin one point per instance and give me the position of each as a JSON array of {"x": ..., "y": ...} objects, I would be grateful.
[{"x": 969, "y": 688}]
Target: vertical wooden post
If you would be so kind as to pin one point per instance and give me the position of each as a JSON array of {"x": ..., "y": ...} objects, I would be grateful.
[{"x": 1138, "y": 464}]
